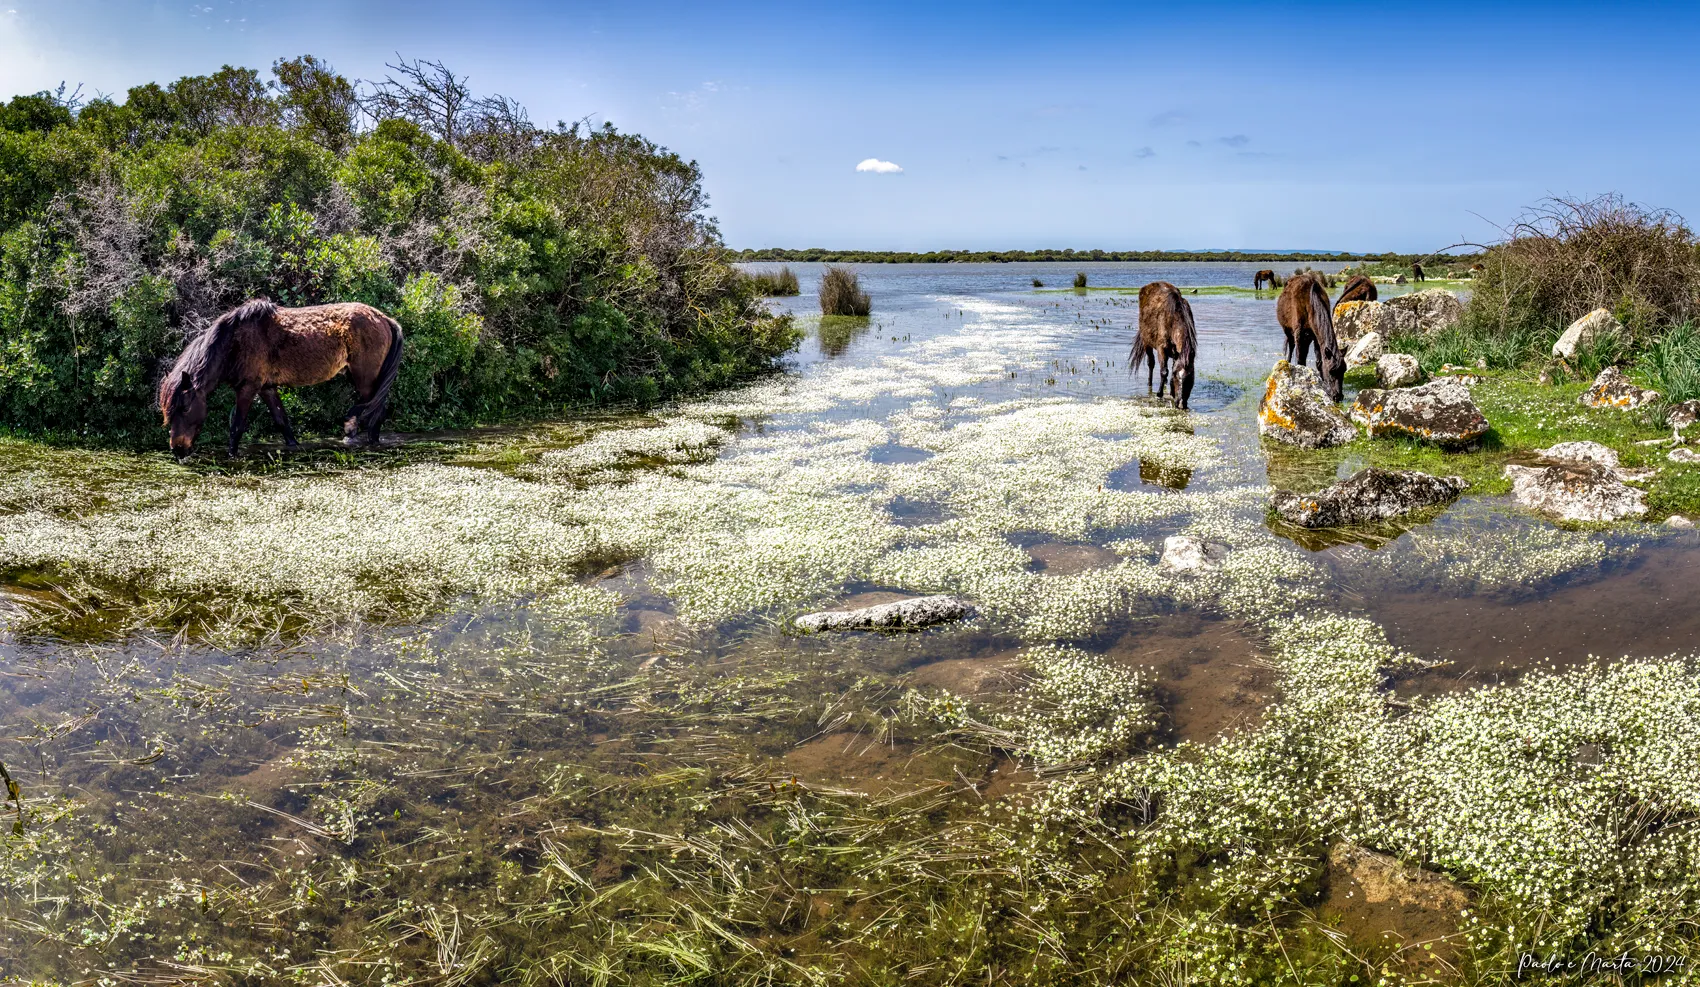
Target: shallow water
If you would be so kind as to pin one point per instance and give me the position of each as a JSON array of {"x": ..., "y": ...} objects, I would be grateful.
[{"x": 974, "y": 435}]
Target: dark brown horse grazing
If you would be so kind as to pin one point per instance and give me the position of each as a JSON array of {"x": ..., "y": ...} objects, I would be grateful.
[
  {"x": 1262, "y": 276},
  {"x": 258, "y": 347},
  {"x": 1166, "y": 330},
  {"x": 1358, "y": 289},
  {"x": 1306, "y": 317},
  {"x": 1417, "y": 272}
]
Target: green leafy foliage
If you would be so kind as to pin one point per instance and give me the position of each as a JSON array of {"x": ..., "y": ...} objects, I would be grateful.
[{"x": 532, "y": 269}]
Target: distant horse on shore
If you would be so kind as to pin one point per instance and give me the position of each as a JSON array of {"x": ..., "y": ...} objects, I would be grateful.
[
  {"x": 1166, "y": 331},
  {"x": 1358, "y": 289},
  {"x": 258, "y": 347},
  {"x": 1262, "y": 276},
  {"x": 1306, "y": 317}
]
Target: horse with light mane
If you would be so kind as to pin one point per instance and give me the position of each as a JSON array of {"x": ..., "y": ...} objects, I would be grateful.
[{"x": 258, "y": 347}]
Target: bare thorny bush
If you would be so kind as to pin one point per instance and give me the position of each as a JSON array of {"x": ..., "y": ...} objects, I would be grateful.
[{"x": 1567, "y": 257}]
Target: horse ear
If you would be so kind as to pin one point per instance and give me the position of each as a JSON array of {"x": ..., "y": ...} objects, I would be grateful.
[{"x": 184, "y": 384}]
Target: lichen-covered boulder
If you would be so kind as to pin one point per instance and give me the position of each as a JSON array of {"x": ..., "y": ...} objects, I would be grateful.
[
  {"x": 919, "y": 611},
  {"x": 1583, "y": 331},
  {"x": 1580, "y": 452},
  {"x": 1355, "y": 320},
  {"x": 1613, "y": 389},
  {"x": 1398, "y": 370},
  {"x": 1427, "y": 312},
  {"x": 1369, "y": 495},
  {"x": 1685, "y": 456},
  {"x": 1296, "y": 410},
  {"x": 1678, "y": 521},
  {"x": 1440, "y": 412},
  {"x": 1579, "y": 491},
  {"x": 1185, "y": 553},
  {"x": 1367, "y": 349}
]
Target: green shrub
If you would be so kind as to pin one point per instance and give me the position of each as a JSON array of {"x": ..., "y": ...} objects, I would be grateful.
[
  {"x": 1671, "y": 364},
  {"x": 532, "y": 269},
  {"x": 1080, "y": 279},
  {"x": 841, "y": 293}
]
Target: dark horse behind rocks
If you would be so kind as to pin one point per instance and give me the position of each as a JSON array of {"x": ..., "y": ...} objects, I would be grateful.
[
  {"x": 1306, "y": 318},
  {"x": 258, "y": 347},
  {"x": 1166, "y": 330},
  {"x": 1358, "y": 289}
]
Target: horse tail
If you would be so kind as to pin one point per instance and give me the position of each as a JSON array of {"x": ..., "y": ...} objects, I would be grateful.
[{"x": 372, "y": 409}]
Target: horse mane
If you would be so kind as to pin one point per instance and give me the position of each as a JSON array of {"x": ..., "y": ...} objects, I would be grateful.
[
  {"x": 202, "y": 362},
  {"x": 1322, "y": 319}
]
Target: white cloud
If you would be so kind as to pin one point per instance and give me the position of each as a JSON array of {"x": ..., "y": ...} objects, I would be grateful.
[{"x": 879, "y": 167}]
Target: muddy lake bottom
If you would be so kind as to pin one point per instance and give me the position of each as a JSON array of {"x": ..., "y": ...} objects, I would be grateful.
[{"x": 577, "y": 723}]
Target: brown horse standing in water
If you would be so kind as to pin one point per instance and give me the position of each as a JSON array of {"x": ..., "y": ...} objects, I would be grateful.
[
  {"x": 1306, "y": 317},
  {"x": 258, "y": 347},
  {"x": 1166, "y": 330},
  {"x": 1262, "y": 276},
  {"x": 1358, "y": 289}
]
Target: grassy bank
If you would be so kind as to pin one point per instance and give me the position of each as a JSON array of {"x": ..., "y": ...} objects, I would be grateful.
[{"x": 531, "y": 269}]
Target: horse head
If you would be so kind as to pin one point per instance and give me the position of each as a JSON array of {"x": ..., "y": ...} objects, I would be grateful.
[{"x": 184, "y": 408}]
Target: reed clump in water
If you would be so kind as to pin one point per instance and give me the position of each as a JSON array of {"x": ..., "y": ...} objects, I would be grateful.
[
  {"x": 776, "y": 283},
  {"x": 1080, "y": 279},
  {"x": 841, "y": 293}
]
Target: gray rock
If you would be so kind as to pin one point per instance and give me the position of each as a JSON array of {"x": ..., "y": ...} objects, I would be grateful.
[
  {"x": 1440, "y": 412},
  {"x": 1367, "y": 496},
  {"x": 1683, "y": 456},
  {"x": 1355, "y": 320},
  {"x": 1398, "y": 370},
  {"x": 1580, "y": 452},
  {"x": 1683, "y": 414},
  {"x": 1427, "y": 312},
  {"x": 1368, "y": 348},
  {"x": 1576, "y": 492},
  {"x": 919, "y": 611},
  {"x": 1613, "y": 389},
  {"x": 1296, "y": 410},
  {"x": 1584, "y": 331},
  {"x": 1678, "y": 521},
  {"x": 1185, "y": 553}
]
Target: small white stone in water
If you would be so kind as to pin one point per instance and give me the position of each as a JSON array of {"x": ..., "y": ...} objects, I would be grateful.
[
  {"x": 920, "y": 611},
  {"x": 1678, "y": 521},
  {"x": 1184, "y": 553}
]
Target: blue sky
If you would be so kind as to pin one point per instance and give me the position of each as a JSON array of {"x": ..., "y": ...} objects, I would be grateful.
[{"x": 1323, "y": 126}]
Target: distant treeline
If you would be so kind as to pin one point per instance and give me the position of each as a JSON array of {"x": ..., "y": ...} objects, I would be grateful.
[{"x": 822, "y": 255}]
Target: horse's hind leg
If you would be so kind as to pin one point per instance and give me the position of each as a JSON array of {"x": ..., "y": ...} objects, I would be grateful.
[
  {"x": 1163, "y": 374},
  {"x": 269, "y": 396},
  {"x": 1304, "y": 349},
  {"x": 239, "y": 415}
]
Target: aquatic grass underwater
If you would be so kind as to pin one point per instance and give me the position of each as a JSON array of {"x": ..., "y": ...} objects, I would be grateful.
[{"x": 540, "y": 719}]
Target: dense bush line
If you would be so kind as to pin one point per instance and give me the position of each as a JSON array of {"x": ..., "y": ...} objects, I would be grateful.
[
  {"x": 822, "y": 255},
  {"x": 532, "y": 269}
]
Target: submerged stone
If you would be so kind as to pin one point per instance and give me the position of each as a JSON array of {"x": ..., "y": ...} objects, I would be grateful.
[
  {"x": 1369, "y": 495},
  {"x": 1678, "y": 521},
  {"x": 1440, "y": 411},
  {"x": 1613, "y": 389},
  {"x": 919, "y": 611},
  {"x": 1578, "y": 491},
  {"x": 1398, "y": 370},
  {"x": 1366, "y": 350},
  {"x": 1584, "y": 331},
  {"x": 1186, "y": 553},
  {"x": 1296, "y": 410}
]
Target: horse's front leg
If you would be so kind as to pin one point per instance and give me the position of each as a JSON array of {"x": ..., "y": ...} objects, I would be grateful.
[
  {"x": 239, "y": 414},
  {"x": 268, "y": 394}
]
